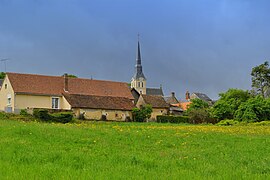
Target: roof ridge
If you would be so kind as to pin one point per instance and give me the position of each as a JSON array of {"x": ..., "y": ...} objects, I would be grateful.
[
  {"x": 54, "y": 76},
  {"x": 95, "y": 95}
]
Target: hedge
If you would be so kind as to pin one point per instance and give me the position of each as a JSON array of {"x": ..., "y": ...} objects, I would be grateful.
[
  {"x": 172, "y": 119},
  {"x": 61, "y": 117}
]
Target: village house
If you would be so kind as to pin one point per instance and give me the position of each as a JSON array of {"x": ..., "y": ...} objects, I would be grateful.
[
  {"x": 173, "y": 102},
  {"x": 186, "y": 103},
  {"x": 92, "y": 98},
  {"x": 159, "y": 105}
]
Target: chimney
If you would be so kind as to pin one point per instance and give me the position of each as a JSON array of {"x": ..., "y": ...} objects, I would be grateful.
[
  {"x": 66, "y": 82},
  {"x": 173, "y": 94},
  {"x": 187, "y": 96}
]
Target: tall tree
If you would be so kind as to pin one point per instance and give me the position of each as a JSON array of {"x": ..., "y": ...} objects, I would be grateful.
[{"x": 261, "y": 78}]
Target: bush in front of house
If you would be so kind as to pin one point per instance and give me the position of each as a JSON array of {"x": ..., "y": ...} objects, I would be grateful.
[
  {"x": 44, "y": 115},
  {"x": 24, "y": 112},
  {"x": 172, "y": 119},
  {"x": 61, "y": 117},
  {"x": 142, "y": 114}
]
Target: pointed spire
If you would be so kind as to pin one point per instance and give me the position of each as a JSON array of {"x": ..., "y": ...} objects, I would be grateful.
[
  {"x": 138, "y": 59},
  {"x": 138, "y": 67}
]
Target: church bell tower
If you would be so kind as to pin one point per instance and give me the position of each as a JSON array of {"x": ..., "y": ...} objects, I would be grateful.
[{"x": 138, "y": 81}]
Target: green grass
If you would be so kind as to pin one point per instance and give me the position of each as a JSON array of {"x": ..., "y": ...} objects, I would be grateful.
[{"x": 98, "y": 150}]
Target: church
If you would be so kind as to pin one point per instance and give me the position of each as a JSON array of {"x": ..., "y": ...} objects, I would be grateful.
[
  {"x": 138, "y": 81},
  {"x": 144, "y": 95}
]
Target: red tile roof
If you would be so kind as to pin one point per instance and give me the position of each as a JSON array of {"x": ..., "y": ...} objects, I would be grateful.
[
  {"x": 183, "y": 105},
  {"x": 99, "y": 102},
  {"x": 54, "y": 85}
]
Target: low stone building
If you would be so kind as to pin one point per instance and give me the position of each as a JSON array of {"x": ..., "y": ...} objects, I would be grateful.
[
  {"x": 98, "y": 107},
  {"x": 159, "y": 105}
]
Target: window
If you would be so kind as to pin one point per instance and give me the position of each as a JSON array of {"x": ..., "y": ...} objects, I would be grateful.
[
  {"x": 138, "y": 84},
  {"x": 5, "y": 86},
  {"x": 55, "y": 103},
  {"x": 142, "y": 84},
  {"x": 116, "y": 115},
  {"x": 9, "y": 101}
]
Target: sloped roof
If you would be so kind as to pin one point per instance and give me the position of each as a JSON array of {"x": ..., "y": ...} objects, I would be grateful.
[
  {"x": 202, "y": 96},
  {"x": 99, "y": 102},
  {"x": 171, "y": 100},
  {"x": 154, "y": 91},
  {"x": 54, "y": 85},
  {"x": 155, "y": 101},
  {"x": 176, "y": 108}
]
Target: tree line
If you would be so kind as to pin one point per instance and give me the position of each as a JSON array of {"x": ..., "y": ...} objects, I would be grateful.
[{"x": 238, "y": 104}]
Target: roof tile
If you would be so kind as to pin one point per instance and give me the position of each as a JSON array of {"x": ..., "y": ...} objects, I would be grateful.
[{"x": 54, "y": 85}]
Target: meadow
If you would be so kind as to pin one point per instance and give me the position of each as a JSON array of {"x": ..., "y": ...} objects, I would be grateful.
[{"x": 110, "y": 150}]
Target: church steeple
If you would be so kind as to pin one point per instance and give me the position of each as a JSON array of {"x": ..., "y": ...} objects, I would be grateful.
[
  {"x": 138, "y": 81},
  {"x": 138, "y": 67},
  {"x": 138, "y": 59}
]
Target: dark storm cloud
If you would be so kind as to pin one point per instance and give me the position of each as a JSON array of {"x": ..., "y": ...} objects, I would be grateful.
[{"x": 207, "y": 46}]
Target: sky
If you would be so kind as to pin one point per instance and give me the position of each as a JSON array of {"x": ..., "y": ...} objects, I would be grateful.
[{"x": 205, "y": 46}]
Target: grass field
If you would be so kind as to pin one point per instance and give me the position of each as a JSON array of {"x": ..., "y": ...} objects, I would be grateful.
[{"x": 99, "y": 150}]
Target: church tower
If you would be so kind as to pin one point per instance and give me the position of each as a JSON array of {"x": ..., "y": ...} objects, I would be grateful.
[{"x": 138, "y": 81}]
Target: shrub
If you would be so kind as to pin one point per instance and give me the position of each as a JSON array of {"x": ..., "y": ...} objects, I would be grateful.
[
  {"x": 4, "y": 115},
  {"x": 172, "y": 119},
  {"x": 140, "y": 115},
  {"x": 200, "y": 116},
  {"x": 62, "y": 117},
  {"x": 24, "y": 112},
  {"x": 227, "y": 122},
  {"x": 42, "y": 114}
]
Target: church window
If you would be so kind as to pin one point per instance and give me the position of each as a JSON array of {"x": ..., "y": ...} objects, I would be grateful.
[
  {"x": 138, "y": 84},
  {"x": 142, "y": 84}
]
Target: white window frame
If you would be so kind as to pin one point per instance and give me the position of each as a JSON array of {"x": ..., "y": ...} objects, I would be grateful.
[
  {"x": 9, "y": 99},
  {"x": 53, "y": 103}
]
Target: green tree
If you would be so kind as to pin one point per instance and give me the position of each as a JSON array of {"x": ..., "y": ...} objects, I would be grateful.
[
  {"x": 198, "y": 104},
  {"x": 142, "y": 114},
  {"x": 2, "y": 75},
  {"x": 254, "y": 109},
  {"x": 198, "y": 112},
  {"x": 261, "y": 78},
  {"x": 228, "y": 103}
]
